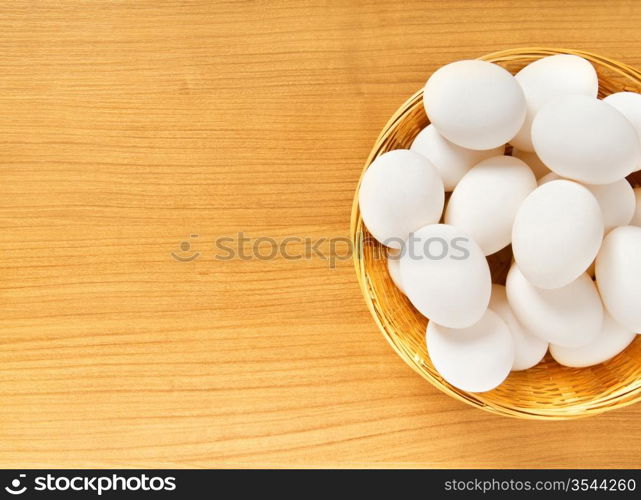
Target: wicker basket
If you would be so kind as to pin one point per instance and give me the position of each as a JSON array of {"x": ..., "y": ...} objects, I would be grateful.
[{"x": 548, "y": 391}]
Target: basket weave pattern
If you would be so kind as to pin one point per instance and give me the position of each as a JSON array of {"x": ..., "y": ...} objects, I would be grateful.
[{"x": 547, "y": 391}]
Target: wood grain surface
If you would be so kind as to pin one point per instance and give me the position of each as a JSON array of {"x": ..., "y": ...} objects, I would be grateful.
[{"x": 126, "y": 127}]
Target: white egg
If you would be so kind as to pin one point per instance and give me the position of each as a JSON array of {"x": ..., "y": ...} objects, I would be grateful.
[
  {"x": 548, "y": 78},
  {"x": 612, "y": 339},
  {"x": 475, "y": 104},
  {"x": 394, "y": 269},
  {"x": 533, "y": 161},
  {"x": 475, "y": 359},
  {"x": 446, "y": 276},
  {"x": 400, "y": 192},
  {"x": 529, "y": 349},
  {"x": 570, "y": 316},
  {"x": 629, "y": 104},
  {"x": 451, "y": 161},
  {"x": 485, "y": 201},
  {"x": 636, "y": 218},
  {"x": 618, "y": 275},
  {"x": 585, "y": 139},
  {"x": 557, "y": 233},
  {"x": 616, "y": 200}
]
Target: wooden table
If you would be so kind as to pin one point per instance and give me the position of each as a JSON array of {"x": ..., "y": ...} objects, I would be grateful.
[{"x": 128, "y": 126}]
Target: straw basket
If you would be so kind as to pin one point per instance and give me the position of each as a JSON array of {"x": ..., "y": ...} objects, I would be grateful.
[{"x": 548, "y": 391}]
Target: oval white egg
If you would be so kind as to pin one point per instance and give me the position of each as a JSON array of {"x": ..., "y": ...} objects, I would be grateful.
[
  {"x": 570, "y": 316},
  {"x": 446, "y": 276},
  {"x": 629, "y": 104},
  {"x": 618, "y": 275},
  {"x": 475, "y": 104},
  {"x": 451, "y": 161},
  {"x": 400, "y": 192},
  {"x": 557, "y": 233},
  {"x": 585, "y": 139},
  {"x": 474, "y": 359},
  {"x": 394, "y": 269},
  {"x": 529, "y": 349},
  {"x": 551, "y": 77},
  {"x": 636, "y": 218},
  {"x": 612, "y": 339},
  {"x": 485, "y": 201},
  {"x": 617, "y": 200},
  {"x": 533, "y": 161}
]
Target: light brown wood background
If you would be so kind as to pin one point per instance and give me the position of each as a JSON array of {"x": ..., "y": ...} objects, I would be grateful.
[{"x": 126, "y": 126}]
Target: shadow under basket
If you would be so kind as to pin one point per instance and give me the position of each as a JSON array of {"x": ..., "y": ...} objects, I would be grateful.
[{"x": 548, "y": 391}]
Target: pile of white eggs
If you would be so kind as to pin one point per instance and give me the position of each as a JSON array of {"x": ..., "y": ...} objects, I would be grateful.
[{"x": 560, "y": 198}]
